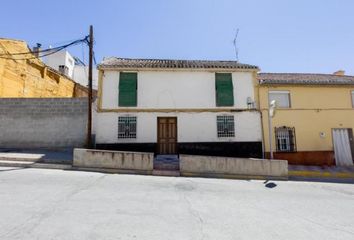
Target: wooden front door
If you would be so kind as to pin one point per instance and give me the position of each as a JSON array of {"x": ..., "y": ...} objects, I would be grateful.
[{"x": 167, "y": 135}]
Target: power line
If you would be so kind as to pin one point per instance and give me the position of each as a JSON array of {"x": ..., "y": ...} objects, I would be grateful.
[
  {"x": 47, "y": 52},
  {"x": 49, "y": 49}
]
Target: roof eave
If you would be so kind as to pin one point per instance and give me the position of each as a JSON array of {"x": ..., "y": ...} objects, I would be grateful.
[{"x": 307, "y": 84}]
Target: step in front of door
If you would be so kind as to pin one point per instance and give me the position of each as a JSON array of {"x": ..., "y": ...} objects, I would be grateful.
[
  {"x": 167, "y": 173},
  {"x": 166, "y": 162}
]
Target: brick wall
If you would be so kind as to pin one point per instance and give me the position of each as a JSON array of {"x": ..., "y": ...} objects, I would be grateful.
[{"x": 42, "y": 122}]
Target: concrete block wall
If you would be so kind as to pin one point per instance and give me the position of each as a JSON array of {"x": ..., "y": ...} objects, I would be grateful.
[{"x": 42, "y": 122}]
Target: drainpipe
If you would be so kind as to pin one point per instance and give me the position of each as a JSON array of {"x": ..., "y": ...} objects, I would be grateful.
[
  {"x": 260, "y": 111},
  {"x": 262, "y": 129}
]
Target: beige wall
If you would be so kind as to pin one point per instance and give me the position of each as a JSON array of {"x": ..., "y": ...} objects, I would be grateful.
[
  {"x": 314, "y": 109},
  {"x": 29, "y": 78}
]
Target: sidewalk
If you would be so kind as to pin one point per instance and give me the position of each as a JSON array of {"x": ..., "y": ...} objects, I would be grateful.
[
  {"x": 62, "y": 159},
  {"x": 299, "y": 172},
  {"x": 36, "y": 158}
]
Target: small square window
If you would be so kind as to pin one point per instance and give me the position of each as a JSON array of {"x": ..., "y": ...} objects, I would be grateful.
[
  {"x": 225, "y": 126},
  {"x": 282, "y": 98},
  {"x": 127, "y": 127},
  {"x": 285, "y": 139}
]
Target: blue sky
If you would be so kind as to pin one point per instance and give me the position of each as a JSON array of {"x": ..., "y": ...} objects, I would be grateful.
[{"x": 277, "y": 35}]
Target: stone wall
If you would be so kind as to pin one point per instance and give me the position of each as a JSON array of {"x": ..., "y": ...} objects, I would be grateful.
[
  {"x": 42, "y": 122},
  {"x": 27, "y": 76}
]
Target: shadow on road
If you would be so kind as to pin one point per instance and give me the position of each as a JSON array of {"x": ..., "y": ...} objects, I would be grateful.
[{"x": 270, "y": 184}]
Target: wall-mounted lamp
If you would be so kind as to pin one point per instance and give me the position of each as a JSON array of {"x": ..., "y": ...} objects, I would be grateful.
[
  {"x": 271, "y": 113},
  {"x": 250, "y": 103}
]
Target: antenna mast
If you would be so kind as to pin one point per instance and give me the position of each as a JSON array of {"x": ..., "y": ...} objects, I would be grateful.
[{"x": 235, "y": 44}]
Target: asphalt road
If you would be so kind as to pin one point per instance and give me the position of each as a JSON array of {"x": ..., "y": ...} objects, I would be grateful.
[{"x": 56, "y": 204}]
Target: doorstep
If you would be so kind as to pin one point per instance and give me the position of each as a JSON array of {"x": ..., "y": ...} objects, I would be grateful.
[{"x": 166, "y": 173}]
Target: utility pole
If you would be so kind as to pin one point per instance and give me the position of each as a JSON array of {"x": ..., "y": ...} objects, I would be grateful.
[{"x": 89, "y": 116}]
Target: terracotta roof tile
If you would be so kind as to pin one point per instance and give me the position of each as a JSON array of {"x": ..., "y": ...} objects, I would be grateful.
[
  {"x": 114, "y": 62},
  {"x": 305, "y": 79}
]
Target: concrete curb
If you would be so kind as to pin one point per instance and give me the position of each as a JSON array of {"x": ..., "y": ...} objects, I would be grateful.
[
  {"x": 26, "y": 164},
  {"x": 316, "y": 174},
  {"x": 112, "y": 170},
  {"x": 232, "y": 176},
  {"x": 18, "y": 159}
]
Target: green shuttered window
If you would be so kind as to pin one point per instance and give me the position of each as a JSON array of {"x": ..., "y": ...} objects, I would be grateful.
[
  {"x": 224, "y": 89},
  {"x": 127, "y": 89}
]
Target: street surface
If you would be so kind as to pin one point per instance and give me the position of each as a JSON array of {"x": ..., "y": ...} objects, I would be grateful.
[{"x": 56, "y": 204}]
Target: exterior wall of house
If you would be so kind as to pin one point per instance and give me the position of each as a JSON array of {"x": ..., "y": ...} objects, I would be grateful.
[
  {"x": 80, "y": 75},
  {"x": 61, "y": 58},
  {"x": 192, "y": 127},
  {"x": 30, "y": 78},
  {"x": 314, "y": 112},
  {"x": 177, "y": 89},
  {"x": 189, "y": 96}
]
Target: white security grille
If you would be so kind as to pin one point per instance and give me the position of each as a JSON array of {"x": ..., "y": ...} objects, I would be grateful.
[
  {"x": 127, "y": 127},
  {"x": 225, "y": 126},
  {"x": 285, "y": 139}
]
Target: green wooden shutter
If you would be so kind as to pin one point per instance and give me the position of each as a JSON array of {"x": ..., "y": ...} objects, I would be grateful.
[
  {"x": 127, "y": 90},
  {"x": 224, "y": 89}
]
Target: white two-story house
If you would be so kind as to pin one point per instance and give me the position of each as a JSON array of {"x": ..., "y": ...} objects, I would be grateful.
[{"x": 178, "y": 107}]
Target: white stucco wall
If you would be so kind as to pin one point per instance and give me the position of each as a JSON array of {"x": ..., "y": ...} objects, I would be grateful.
[
  {"x": 80, "y": 75},
  {"x": 177, "y": 89},
  {"x": 61, "y": 58},
  {"x": 191, "y": 127}
]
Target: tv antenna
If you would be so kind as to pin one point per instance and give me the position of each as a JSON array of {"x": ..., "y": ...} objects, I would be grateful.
[{"x": 235, "y": 44}]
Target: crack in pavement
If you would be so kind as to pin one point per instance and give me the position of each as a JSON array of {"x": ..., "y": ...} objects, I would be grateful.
[{"x": 192, "y": 211}]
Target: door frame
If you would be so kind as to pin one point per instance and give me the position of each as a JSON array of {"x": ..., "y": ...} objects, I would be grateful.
[{"x": 158, "y": 133}]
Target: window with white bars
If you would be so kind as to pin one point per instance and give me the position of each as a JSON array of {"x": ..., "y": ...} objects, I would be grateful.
[
  {"x": 127, "y": 127},
  {"x": 285, "y": 139},
  {"x": 225, "y": 126}
]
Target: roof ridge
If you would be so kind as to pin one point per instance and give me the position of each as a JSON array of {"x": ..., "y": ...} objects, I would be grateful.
[
  {"x": 120, "y": 62},
  {"x": 174, "y": 59}
]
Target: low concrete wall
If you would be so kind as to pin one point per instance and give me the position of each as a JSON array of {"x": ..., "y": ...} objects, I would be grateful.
[
  {"x": 137, "y": 161},
  {"x": 193, "y": 165}
]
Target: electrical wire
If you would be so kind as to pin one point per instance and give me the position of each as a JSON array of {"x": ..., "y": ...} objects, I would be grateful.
[
  {"x": 50, "y": 50},
  {"x": 94, "y": 58}
]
